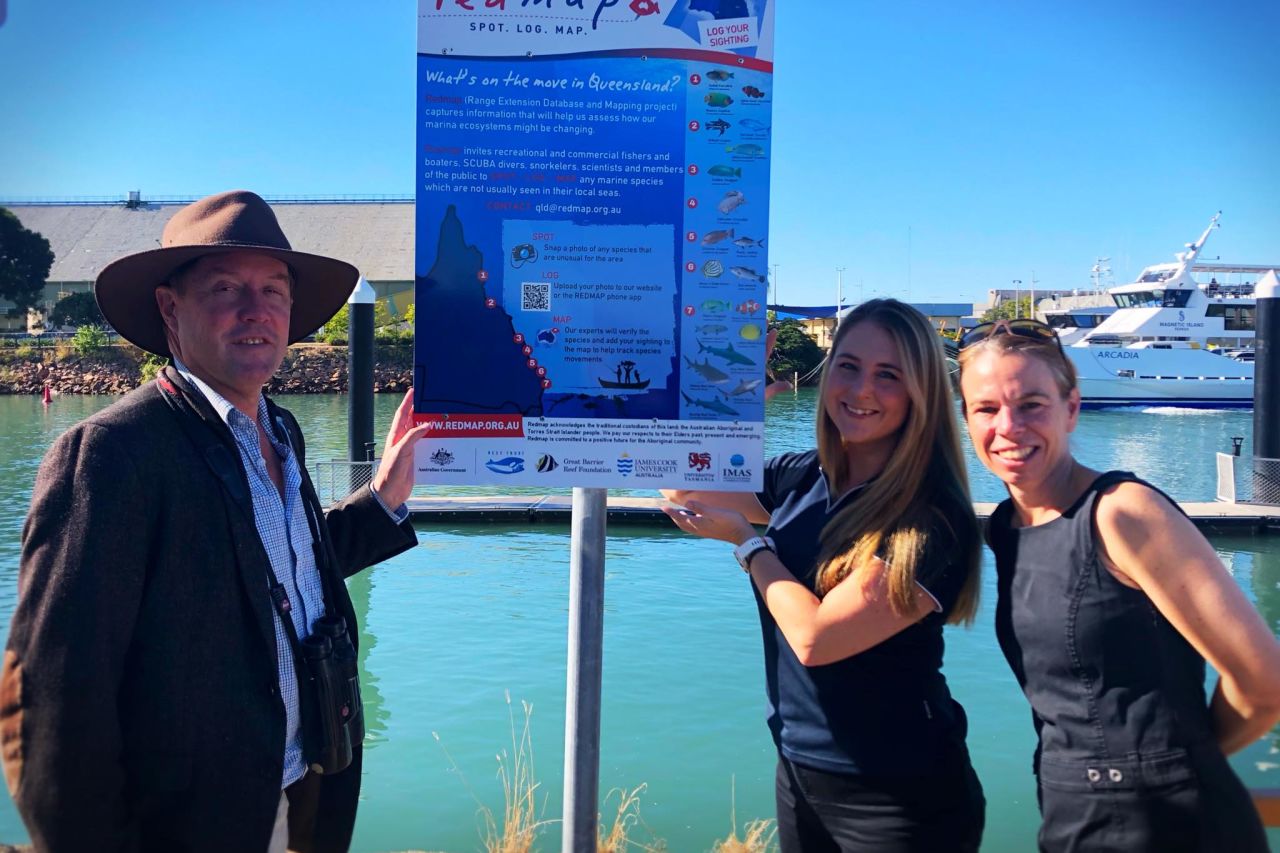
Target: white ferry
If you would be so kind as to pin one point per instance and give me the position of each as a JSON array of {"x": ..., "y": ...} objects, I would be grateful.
[{"x": 1167, "y": 341}]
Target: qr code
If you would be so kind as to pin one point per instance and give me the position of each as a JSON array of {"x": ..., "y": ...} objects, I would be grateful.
[{"x": 535, "y": 296}]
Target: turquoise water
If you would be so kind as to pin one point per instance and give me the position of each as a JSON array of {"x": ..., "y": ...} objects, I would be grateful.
[{"x": 476, "y": 613}]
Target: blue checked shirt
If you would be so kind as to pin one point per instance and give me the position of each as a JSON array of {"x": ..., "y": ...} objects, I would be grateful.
[{"x": 282, "y": 527}]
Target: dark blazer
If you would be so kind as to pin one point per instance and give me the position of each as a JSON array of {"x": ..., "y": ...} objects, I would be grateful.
[{"x": 139, "y": 700}]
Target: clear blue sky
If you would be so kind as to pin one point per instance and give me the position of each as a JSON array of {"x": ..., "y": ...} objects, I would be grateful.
[{"x": 1004, "y": 138}]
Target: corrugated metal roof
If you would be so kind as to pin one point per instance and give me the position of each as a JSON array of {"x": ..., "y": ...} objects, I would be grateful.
[{"x": 377, "y": 237}]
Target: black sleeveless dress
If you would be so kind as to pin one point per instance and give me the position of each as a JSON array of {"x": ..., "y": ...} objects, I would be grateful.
[{"x": 1127, "y": 758}]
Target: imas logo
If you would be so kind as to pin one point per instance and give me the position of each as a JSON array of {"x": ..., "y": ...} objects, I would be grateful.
[
  {"x": 506, "y": 465},
  {"x": 736, "y": 472},
  {"x": 547, "y": 462},
  {"x": 441, "y": 458},
  {"x": 625, "y": 464}
]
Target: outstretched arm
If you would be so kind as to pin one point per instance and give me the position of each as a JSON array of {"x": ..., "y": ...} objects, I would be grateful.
[
  {"x": 1151, "y": 545},
  {"x": 853, "y": 617}
]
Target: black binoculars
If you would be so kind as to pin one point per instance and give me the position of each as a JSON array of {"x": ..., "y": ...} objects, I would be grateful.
[{"x": 332, "y": 716}]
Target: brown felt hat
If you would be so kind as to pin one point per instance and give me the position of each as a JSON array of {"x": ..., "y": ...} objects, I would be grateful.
[{"x": 235, "y": 221}]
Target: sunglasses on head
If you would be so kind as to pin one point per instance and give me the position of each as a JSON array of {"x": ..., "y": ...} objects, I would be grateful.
[{"x": 1023, "y": 328}]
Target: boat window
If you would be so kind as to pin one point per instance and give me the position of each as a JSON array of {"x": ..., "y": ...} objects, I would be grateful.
[
  {"x": 1155, "y": 275},
  {"x": 1216, "y": 309},
  {"x": 1239, "y": 319},
  {"x": 1172, "y": 298},
  {"x": 1062, "y": 321}
]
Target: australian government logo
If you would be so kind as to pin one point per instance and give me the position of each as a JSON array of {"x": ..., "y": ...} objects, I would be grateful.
[
  {"x": 698, "y": 468},
  {"x": 443, "y": 460},
  {"x": 736, "y": 471}
]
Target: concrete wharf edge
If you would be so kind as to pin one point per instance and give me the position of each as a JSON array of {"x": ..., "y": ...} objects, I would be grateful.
[{"x": 1210, "y": 516}]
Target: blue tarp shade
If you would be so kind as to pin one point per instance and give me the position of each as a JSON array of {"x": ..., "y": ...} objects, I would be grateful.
[{"x": 929, "y": 309}]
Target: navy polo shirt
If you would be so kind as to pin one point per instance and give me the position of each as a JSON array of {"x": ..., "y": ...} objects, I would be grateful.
[{"x": 886, "y": 711}]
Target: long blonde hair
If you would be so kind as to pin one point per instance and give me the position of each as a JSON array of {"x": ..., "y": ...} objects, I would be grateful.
[{"x": 924, "y": 486}]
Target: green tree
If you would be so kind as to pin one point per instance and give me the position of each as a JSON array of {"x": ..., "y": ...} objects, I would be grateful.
[
  {"x": 794, "y": 351},
  {"x": 77, "y": 309},
  {"x": 335, "y": 331},
  {"x": 89, "y": 340},
  {"x": 1008, "y": 310},
  {"x": 25, "y": 260}
]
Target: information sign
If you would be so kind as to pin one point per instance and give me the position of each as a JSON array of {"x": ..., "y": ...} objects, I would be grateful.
[{"x": 591, "y": 223}]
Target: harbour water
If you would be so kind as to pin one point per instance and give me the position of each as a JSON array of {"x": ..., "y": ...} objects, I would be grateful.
[{"x": 474, "y": 614}]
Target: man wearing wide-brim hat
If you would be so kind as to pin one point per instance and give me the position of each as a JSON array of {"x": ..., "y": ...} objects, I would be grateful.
[{"x": 177, "y": 567}]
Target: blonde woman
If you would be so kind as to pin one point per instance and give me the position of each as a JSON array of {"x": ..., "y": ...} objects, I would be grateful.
[
  {"x": 871, "y": 547},
  {"x": 1110, "y": 603}
]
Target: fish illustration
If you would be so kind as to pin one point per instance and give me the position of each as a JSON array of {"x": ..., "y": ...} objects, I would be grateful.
[
  {"x": 733, "y": 199},
  {"x": 748, "y": 273},
  {"x": 507, "y": 465},
  {"x": 713, "y": 237},
  {"x": 707, "y": 371},
  {"x": 717, "y": 99},
  {"x": 720, "y": 170},
  {"x": 752, "y": 92},
  {"x": 719, "y": 125},
  {"x": 713, "y": 329},
  {"x": 716, "y": 305},
  {"x": 728, "y": 353},
  {"x": 748, "y": 307},
  {"x": 749, "y": 332},
  {"x": 748, "y": 243},
  {"x": 713, "y": 269},
  {"x": 745, "y": 386},
  {"x": 719, "y": 75},
  {"x": 748, "y": 149},
  {"x": 713, "y": 404},
  {"x": 752, "y": 124}
]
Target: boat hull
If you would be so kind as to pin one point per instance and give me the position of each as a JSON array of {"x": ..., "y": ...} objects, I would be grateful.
[{"x": 1143, "y": 376}]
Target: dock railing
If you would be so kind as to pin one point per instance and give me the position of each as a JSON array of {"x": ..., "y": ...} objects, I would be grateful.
[
  {"x": 337, "y": 478},
  {"x": 1248, "y": 479}
]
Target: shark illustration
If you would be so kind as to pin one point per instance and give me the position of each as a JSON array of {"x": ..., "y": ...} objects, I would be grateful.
[
  {"x": 728, "y": 353},
  {"x": 713, "y": 404},
  {"x": 707, "y": 371},
  {"x": 744, "y": 386}
]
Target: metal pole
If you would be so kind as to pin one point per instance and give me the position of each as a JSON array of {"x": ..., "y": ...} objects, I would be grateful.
[
  {"x": 586, "y": 664},
  {"x": 1266, "y": 391},
  {"x": 1017, "y": 308},
  {"x": 360, "y": 381}
]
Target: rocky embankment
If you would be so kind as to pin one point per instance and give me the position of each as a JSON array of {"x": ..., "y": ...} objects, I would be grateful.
[{"x": 307, "y": 369}]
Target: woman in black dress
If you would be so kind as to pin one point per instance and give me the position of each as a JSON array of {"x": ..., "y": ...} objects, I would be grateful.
[
  {"x": 872, "y": 546},
  {"x": 1110, "y": 601}
]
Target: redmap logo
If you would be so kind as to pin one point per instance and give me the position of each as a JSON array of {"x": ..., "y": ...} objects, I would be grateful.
[{"x": 699, "y": 461}]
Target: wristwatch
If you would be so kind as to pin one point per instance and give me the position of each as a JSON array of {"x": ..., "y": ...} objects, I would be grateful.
[{"x": 744, "y": 552}]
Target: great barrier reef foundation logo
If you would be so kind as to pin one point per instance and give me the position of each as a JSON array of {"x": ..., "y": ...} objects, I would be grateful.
[
  {"x": 547, "y": 462},
  {"x": 736, "y": 472},
  {"x": 506, "y": 465},
  {"x": 441, "y": 458},
  {"x": 625, "y": 464}
]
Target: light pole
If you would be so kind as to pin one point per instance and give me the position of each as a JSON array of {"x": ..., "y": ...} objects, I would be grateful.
[
  {"x": 774, "y": 268},
  {"x": 839, "y": 300},
  {"x": 1017, "y": 307}
]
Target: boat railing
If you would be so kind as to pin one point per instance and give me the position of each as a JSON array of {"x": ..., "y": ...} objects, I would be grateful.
[
  {"x": 337, "y": 478},
  {"x": 1248, "y": 479}
]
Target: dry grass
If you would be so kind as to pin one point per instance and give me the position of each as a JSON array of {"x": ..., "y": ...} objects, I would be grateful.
[
  {"x": 626, "y": 821},
  {"x": 517, "y": 830},
  {"x": 759, "y": 835},
  {"x": 521, "y": 820}
]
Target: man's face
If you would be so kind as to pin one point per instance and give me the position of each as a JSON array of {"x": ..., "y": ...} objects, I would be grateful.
[{"x": 228, "y": 322}]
